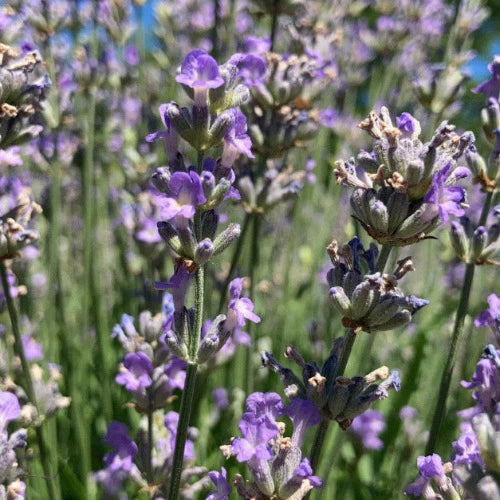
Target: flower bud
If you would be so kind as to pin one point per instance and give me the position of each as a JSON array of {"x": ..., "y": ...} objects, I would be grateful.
[
  {"x": 479, "y": 240},
  {"x": 204, "y": 251},
  {"x": 226, "y": 238},
  {"x": 459, "y": 240}
]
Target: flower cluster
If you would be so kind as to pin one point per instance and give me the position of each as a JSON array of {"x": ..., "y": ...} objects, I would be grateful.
[
  {"x": 370, "y": 302},
  {"x": 404, "y": 188},
  {"x": 275, "y": 461}
]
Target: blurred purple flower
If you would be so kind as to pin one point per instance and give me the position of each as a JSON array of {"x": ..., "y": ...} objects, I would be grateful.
[
  {"x": 220, "y": 481},
  {"x": 240, "y": 308},
  {"x": 491, "y": 87},
  {"x": 178, "y": 284},
  {"x": 236, "y": 140},
  {"x": 132, "y": 55},
  {"x": 136, "y": 371},
  {"x": 9, "y": 409},
  {"x": 303, "y": 414},
  {"x": 367, "y": 428},
  {"x": 220, "y": 398},
  {"x": 256, "y": 45},
  {"x": 32, "y": 349},
  {"x": 175, "y": 370},
  {"x": 171, "y": 422},
  {"x": 491, "y": 316},
  {"x": 10, "y": 157},
  {"x": 466, "y": 447},
  {"x": 251, "y": 68},
  {"x": 430, "y": 467},
  {"x": 304, "y": 471}
]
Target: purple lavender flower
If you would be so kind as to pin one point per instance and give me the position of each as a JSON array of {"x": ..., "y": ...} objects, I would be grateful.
[
  {"x": 148, "y": 233},
  {"x": 446, "y": 200},
  {"x": 240, "y": 308},
  {"x": 220, "y": 398},
  {"x": 136, "y": 371},
  {"x": 491, "y": 316},
  {"x": 303, "y": 414},
  {"x": 251, "y": 68},
  {"x": 32, "y": 349},
  {"x": 9, "y": 409},
  {"x": 179, "y": 284},
  {"x": 265, "y": 404},
  {"x": 176, "y": 373},
  {"x": 119, "y": 462},
  {"x": 10, "y": 157},
  {"x": 186, "y": 194},
  {"x": 256, "y": 432},
  {"x": 408, "y": 125},
  {"x": 304, "y": 471},
  {"x": 132, "y": 55},
  {"x": 236, "y": 140},
  {"x": 200, "y": 72},
  {"x": 491, "y": 88},
  {"x": 171, "y": 422},
  {"x": 430, "y": 467},
  {"x": 220, "y": 481},
  {"x": 169, "y": 134},
  {"x": 328, "y": 117},
  {"x": 256, "y": 45},
  {"x": 367, "y": 428},
  {"x": 466, "y": 447}
]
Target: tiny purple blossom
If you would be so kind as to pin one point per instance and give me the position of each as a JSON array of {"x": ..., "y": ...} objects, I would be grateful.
[
  {"x": 200, "y": 72},
  {"x": 136, "y": 371},
  {"x": 251, "y": 68},
  {"x": 466, "y": 447},
  {"x": 491, "y": 316},
  {"x": 240, "y": 308},
  {"x": 304, "y": 471},
  {"x": 303, "y": 414},
  {"x": 255, "y": 45},
  {"x": 179, "y": 284},
  {"x": 10, "y": 157},
  {"x": 171, "y": 422},
  {"x": 186, "y": 193},
  {"x": 32, "y": 349},
  {"x": 367, "y": 428},
  {"x": 256, "y": 432},
  {"x": 445, "y": 200},
  {"x": 408, "y": 124},
  {"x": 220, "y": 481},
  {"x": 132, "y": 55},
  {"x": 491, "y": 87},
  {"x": 221, "y": 400},
  {"x": 9, "y": 409},
  {"x": 176, "y": 373},
  {"x": 430, "y": 467},
  {"x": 236, "y": 140},
  {"x": 169, "y": 134},
  {"x": 268, "y": 404}
]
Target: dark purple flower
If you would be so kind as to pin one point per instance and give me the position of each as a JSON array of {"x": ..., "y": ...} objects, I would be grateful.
[
  {"x": 304, "y": 471},
  {"x": 445, "y": 200},
  {"x": 200, "y": 72},
  {"x": 240, "y": 308},
  {"x": 9, "y": 409},
  {"x": 221, "y": 400},
  {"x": 408, "y": 125},
  {"x": 236, "y": 140},
  {"x": 491, "y": 88},
  {"x": 265, "y": 404},
  {"x": 175, "y": 370},
  {"x": 367, "y": 428},
  {"x": 430, "y": 467},
  {"x": 178, "y": 284},
  {"x": 303, "y": 414},
  {"x": 491, "y": 316},
  {"x": 220, "y": 481},
  {"x": 466, "y": 447},
  {"x": 186, "y": 193},
  {"x": 32, "y": 349},
  {"x": 136, "y": 371},
  {"x": 256, "y": 432}
]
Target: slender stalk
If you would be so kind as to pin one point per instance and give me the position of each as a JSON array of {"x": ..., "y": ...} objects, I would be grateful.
[
  {"x": 383, "y": 258},
  {"x": 234, "y": 260},
  {"x": 182, "y": 428},
  {"x": 215, "y": 29},
  {"x": 149, "y": 465},
  {"x": 254, "y": 261},
  {"x": 28, "y": 383},
  {"x": 274, "y": 23},
  {"x": 444, "y": 386}
]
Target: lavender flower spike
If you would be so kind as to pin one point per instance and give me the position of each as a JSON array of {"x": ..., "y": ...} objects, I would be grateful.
[
  {"x": 136, "y": 371},
  {"x": 200, "y": 72}
]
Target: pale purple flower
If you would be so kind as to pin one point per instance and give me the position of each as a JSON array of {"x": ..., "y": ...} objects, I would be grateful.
[
  {"x": 445, "y": 200},
  {"x": 220, "y": 398},
  {"x": 175, "y": 370},
  {"x": 171, "y": 422},
  {"x": 256, "y": 432},
  {"x": 178, "y": 284},
  {"x": 132, "y": 55},
  {"x": 466, "y": 448},
  {"x": 304, "y": 471},
  {"x": 303, "y": 414},
  {"x": 9, "y": 409},
  {"x": 236, "y": 140},
  {"x": 491, "y": 87},
  {"x": 408, "y": 124},
  {"x": 220, "y": 481},
  {"x": 10, "y": 157},
  {"x": 310, "y": 176},
  {"x": 256, "y": 45},
  {"x": 200, "y": 72},
  {"x": 169, "y": 134},
  {"x": 251, "y": 68},
  {"x": 367, "y": 428},
  {"x": 32, "y": 349},
  {"x": 135, "y": 372},
  {"x": 430, "y": 467},
  {"x": 491, "y": 316},
  {"x": 328, "y": 117},
  {"x": 265, "y": 404},
  {"x": 240, "y": 308},
  {"x": 186, "y": 193},
  {"x": 148, "y": 233}
]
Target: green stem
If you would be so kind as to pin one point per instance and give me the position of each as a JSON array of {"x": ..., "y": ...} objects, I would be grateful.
[
  {"x": 28, "y": 382},
  {"x": 444, "y": 386},
  {"x": 254, "y": 261},
  {"x": 215, "y": 29},
  {"x": 182, "y": 428},
  {"x": 383, "y": 258},
  {"x": 274, "y": 23},
  {"x": 234, "y": 261},
  {"x": 149, "y": 465}
]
